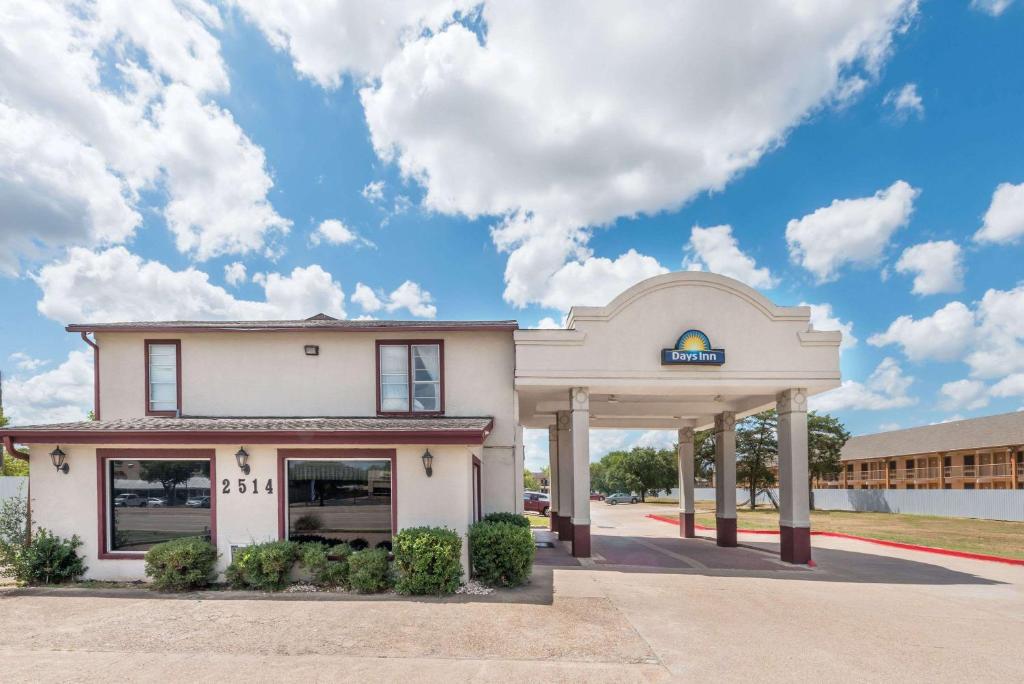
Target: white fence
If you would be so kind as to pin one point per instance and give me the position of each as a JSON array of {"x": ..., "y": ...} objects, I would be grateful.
[
  {"x": 989, "y": 504},
  {"x": 11, "y": 487}
]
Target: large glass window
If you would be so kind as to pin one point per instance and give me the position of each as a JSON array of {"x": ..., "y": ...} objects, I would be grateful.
[
  {"x": 410, "y": 376},
  {"x": 155, "y": 500},
  {"x": 162, "y": 373},
  {"x": 340, "y": 500}
]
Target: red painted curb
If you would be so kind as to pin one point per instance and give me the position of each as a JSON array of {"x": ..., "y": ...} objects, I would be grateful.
[{"x": 872, "y": 540}]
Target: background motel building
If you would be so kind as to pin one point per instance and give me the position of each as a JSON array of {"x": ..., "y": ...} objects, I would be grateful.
[
  {"x": 250, "y": 431},
  {"x": 980, "y": 453}
]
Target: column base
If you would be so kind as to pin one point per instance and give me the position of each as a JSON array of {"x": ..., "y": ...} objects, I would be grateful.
[
  {"x": 564, "y": 528},
  {"x": 725, "y": 531},
  {"x": 686, "y": 527},
  {"x": 553, "y": 521},
  {"x": 581, "y": 541},
  {"x": 796, "y": 544}
]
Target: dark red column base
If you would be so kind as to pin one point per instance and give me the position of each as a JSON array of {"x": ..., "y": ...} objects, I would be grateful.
[
  {"x": 564, "y": 528},
  {"x": 686, "y": 528},
  {"x": 725, "y": 531},
  {"x": 796, "y": 544},
  {"x": 553, "y": 521},
  {"x": 581, "y": 541}
]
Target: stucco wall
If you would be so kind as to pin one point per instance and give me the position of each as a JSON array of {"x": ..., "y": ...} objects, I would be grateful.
[
  {"x": 268, "y": 374},
  {"x": 67, "y": 504}
]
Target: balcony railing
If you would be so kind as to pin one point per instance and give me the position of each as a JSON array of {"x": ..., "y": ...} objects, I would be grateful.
[{"x": 928, "y": 473}]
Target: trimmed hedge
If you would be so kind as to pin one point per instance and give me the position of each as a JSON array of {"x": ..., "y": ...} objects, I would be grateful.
[
  {"x": 369, "y": 571},
  {"x": 501, "y": 553},
  {"x": 263, "y": 566},
  {"x": 510, "y": 518},
  {"x": 327, "y": 564},
  {"x": 428, "y": 560},
  {"x": 181, "y": 564}
]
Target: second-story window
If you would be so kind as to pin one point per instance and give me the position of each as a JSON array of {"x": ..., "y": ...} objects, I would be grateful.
[
  {"x": 163, "y": 377},
  {"x": 410, "y": 377}
]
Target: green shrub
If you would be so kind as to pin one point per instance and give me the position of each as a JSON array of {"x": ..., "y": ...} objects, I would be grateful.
[
  {"x": 264, "y": 567},
  {"x": 13, "y": 531},
  {"x": 49, "y": 559},
  {"x": 427, "y": 560},
  {"x": 501, "y": 553},
  {"x": 181, "y": 564},
  {"x": 327, "y": 564},
  {"x": 511, "y": 518},
  {"x": 308, "y": 523},
  {"x": 368, "y": 571}
]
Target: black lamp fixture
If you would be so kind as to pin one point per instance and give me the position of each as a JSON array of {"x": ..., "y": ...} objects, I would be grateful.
[
  {"x": 428, "y": 462},
  {"x": 242, "y": 456},
  {"x": 57, "y": 458}
]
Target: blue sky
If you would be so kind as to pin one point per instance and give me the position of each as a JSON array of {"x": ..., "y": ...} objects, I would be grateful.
[{"x": 491, "y": 161}]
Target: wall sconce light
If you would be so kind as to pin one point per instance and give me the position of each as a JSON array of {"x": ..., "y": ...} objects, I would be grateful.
[
  {"x": 428, "y": 463},
  {"x": 312, "y": 350},
  {"x": 242, "y": 456},
  {"x": 57, "y": 458}
]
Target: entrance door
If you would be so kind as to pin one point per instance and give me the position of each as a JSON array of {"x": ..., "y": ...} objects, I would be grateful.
[{"x": 477, "y": 508}]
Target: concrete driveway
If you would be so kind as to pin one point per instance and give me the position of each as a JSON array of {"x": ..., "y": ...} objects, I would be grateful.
[{"x": 650, "y": 607}]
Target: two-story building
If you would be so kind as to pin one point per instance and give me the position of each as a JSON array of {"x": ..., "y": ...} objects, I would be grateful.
[{"x": 352, "y": 430}]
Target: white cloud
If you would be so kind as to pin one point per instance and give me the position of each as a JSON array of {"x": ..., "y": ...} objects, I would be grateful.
[
  {"x": 938, "y": 267},
  {"x": 944, "y": 336},
  {"x": 543, "y": 123},
  {"x": 905, "y": 102},
  {"x": 888, "y": 427},
  {"x": 1010, "y": 386},
  {"x": 548, "y": 323},
  {"x": 991, "y": 7},
  {"x": 822, "y": 319},
  {"x": 234, "y": 273},
  {"x": 657, "y": 439},
  {"x": 849, "y": 231},
  {"x": 116, "y": 285},
  {"x": 595, "y": 281},
  {"x": 105, "y": 100},
  {"x": 374, "y": 191},
  {"x": 334, "y": 232},
  {"x": 58, "y": 395},
  {"x": 409, "y": 296},
  {"x": 886, "y": 388},
  {"x": 998, "y": 349},
  {"x": 1004, "y": 220},
  {"x": 25, "y": 362},
  {"x": 964, "y": 395},
  {"x": 715, "y": 249}
]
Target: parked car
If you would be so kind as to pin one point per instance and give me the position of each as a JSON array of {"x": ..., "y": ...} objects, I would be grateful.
[
  {"x": 537, "y": 502},
  {"x": 129, "y": 500},
  {"x": 156, "y": 501},
  {"x": 198, "y": 502},
  {"x": 621, "y": 497},
  {"x": 596, "y": 496}
]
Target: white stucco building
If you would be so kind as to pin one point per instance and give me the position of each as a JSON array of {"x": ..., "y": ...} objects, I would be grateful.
[{"x": 249, "y": 431}]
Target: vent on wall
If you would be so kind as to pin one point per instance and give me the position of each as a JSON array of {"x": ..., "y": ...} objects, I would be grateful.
[{"x": 312, "y": 350}]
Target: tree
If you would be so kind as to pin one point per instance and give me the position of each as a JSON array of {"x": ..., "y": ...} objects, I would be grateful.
[
  {"x": 13, "y": 467},
  {"x": 825, "y": 439},
  {"x": 757, "y": 447},
  {"x": 599, "y": 481},
  {"x": 704, "y": 454},
  {"x": 642, "y": 469},
  {"x": 169, "y": 474},
  {"x": 530, "y": 481}
]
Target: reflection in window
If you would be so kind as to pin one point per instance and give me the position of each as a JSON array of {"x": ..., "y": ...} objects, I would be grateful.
[
  {"x": 340, "y": 500},
  {"x": 410, "y": 373},
  {"x": 156, "y": 500}
]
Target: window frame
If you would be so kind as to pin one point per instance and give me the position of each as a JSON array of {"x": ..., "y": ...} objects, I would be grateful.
[
  {"x": 285, "y": 455},
  {"x": 104, "y": 505},
  {"x": 410, "y": 375},
  {"x": 177, "y": 380}
]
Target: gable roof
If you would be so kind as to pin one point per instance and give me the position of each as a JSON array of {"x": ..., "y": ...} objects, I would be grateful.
[{"x": 1003, "y": 430}]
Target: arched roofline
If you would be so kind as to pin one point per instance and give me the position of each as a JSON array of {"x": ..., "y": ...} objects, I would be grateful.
[{"x": 689, "y": 279}]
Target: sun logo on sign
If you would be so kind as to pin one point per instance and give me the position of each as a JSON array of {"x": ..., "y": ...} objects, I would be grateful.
[{"x": 693, "y": 340}]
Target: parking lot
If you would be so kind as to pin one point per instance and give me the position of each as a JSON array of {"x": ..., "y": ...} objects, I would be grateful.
[{"x": 648, "y": 607}]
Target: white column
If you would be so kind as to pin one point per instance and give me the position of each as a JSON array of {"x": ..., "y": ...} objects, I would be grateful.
[
  {"x": 794, "y": 513},
  {"x": 725, "y": 478},
  {"x": 553, "y": 477},
  {"x": 686, "y": 476},
  {"x": 563, "y": 425},
  {"x": 579, "y": 409}
]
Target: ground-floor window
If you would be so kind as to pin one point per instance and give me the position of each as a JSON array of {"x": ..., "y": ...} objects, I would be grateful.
[
  {"x": 148, "y": 500},
  {"x": 340, "y": 499}
]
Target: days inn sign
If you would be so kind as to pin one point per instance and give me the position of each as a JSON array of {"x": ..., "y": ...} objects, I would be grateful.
[{"x": 693, "y": 348}]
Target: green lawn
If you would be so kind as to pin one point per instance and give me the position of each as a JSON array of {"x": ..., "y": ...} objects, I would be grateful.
[
  {"x": 958, "y": 534},
  {"x": 538, "y": 520}
]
